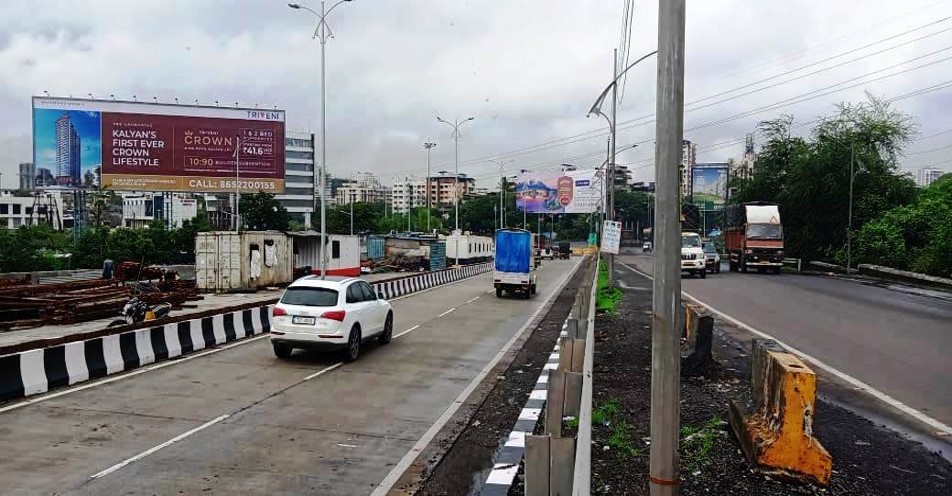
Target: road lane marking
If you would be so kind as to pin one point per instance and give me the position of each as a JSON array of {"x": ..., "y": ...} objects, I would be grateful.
[
  {"x": 323, "y": 371},
  {"x": 408, "y": 331},
  {"x": 388, "y": 482},
  {"x": 473, "y": 299},
  {"x": 132, "y": 373},
  {"x": 447, "y": 312},
  {"x": 158, "y": 447},
  {"x": 852, "y": 381}
]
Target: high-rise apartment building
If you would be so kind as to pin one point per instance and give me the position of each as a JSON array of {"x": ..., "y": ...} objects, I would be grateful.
[
  {"x": 928, "y": 176},
  {"x": 68, "y": 147},
  {"x": 27, "y": 176}
]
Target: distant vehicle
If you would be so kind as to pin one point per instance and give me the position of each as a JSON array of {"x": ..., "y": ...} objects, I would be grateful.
[
  {"x": 565, "y": 250},
  {"x": 547, "y": 254},
  {"x": 712, "y": 259},
  {"x": 329, "y": 314},
  {"x": 754, "y": 237},
  {"x": 515, "y": 263},
  {"x": 692, "y": 255},
  {"x": 646, "y": 248},
  {"x": 136, "y": 310}
]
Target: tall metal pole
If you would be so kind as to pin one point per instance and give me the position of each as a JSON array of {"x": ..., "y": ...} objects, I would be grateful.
[
  {"x": 666, "y": 286},
  {"x": 428, "y": 145},
  {"x": 849, "y": 225},
  {"x": 237, "y": 191},
  {"x": 323, "y": 186},
  {"x": 611, "y": 164}
]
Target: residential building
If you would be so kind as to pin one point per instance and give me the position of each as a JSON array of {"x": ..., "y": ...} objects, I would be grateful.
[
  {"x": 642, "y": 186},
  {"x": 409, "y": 193},
  {"x": 27, "y": 176},
  {"x": 928, "y": 176},
  {"x": 445, "y": 190},
  {"x": 299, "y": 177},
  {"x": 364, "y": 187},
  {"x": 68, "y": 147},
  {"x": 688, "y": 160},
  {"x": 139, "y": 210}
]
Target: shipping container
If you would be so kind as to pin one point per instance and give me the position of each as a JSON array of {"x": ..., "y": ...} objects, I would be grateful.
[
  {"x": 230, "y": 261},
  {"x": 376, "y": 247},
  {"x": 437, "y": 256},
  {"x": 469, "y": 249},
  {"x": 342, "y": 253}
]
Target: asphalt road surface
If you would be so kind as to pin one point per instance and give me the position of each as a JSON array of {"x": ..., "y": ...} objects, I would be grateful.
[
  {"x": 896, "y": 342},
  {"x": 240, "y": 421}
]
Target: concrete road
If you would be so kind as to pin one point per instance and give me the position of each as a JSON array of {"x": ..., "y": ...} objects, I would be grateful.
[
  {"x": 896, "y": 342},
  {"x": 240, "y": 421}
]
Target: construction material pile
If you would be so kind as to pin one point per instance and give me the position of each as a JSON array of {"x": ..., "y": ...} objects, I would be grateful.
[
  {"x": 174, "y": 292},
  {"x": 66, "y": 303}
]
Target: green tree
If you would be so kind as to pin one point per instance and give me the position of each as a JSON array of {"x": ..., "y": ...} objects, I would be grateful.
[{"x": 262, "y": 212}]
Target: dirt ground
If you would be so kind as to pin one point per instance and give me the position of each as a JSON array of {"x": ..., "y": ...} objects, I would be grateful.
[
  {"x": 468, "y": 461},
  {"x": 868, "y": 459}
]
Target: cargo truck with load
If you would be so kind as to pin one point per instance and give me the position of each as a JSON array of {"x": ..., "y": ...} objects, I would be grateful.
[
  {"x": 514, "y": 270},
  {"x": 753, "y": 237}
]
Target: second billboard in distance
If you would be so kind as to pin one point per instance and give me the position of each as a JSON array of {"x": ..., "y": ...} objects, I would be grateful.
[
  {"x": 709, "y": 185},
  {"x": 570, "y": 192},
  {"x": 131, "y": 146}
]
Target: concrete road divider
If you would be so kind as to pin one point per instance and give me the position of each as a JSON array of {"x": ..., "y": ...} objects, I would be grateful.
[
  {"x": 698, "y": 332},
  {"x": 775, "y": 423},
  {"x": 38, "y": 371}
]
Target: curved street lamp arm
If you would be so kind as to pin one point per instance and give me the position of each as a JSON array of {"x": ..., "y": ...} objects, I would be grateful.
[{"x": 596, "y": 107}]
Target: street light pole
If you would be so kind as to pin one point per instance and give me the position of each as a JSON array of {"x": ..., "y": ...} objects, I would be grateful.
[
  {"x": 666, "y": 285},
  {"x": 322, "y": 32},
  {"x": 428, "y": 145},
  {"x": 525, "y": 223},
  {"x": 456, "y": 136},
  {"x": 237, "y": 183},
  {"x": 502, "y": 191}
]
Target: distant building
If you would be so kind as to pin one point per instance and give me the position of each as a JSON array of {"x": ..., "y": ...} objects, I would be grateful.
[
  {"x": 928, "y": 176},
  {"x": 299, "y": 177},
  {"x": 68, "y": 148},
  {"x": 16, "y": 211},
  {"x": 643, "y": 186},
  {"x": 442, "y": 190},
  {"x": 744, "y": 168},
  {"x": 409, "y": 193},
  {"x": 27, "y": 176},
  {"x": 688, "y": 160},
  {"x": 44, "y": 178},
  {"x": 140, "y": 210},
  {"x": 365, "y": 187}
]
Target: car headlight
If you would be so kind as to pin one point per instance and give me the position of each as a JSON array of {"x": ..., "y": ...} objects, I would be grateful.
[{"x": 749, "y": 251}]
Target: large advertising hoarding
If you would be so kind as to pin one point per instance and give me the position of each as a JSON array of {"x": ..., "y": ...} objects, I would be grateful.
[
  {"x": 709, "y": 185},
  {"x": 570, "y": 192},
  {"x": 132, "y": 146}
]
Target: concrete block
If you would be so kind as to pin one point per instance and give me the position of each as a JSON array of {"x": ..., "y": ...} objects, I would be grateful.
[
  {"x": 701, "y": 357},
  {"x": 555, "y": 403},
  {"x": 775, "y": 426}
]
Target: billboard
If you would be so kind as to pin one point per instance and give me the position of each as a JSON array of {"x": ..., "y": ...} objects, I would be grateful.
[
  {"x": 709, "y": 185},
  {"x": 569, "y": 192},
  {"x": 132, "y": 146}
]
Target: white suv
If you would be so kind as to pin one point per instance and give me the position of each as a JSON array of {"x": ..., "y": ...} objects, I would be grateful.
[
  {"x": 331, "y": 313},
  {"x": 692, "y": 255}
]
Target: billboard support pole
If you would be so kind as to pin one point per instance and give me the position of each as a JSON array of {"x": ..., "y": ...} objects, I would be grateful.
[
  {"x": 611, "y": 165},
  {"x": 666, "y": 286},
  {"x": 237, "y": 182}
]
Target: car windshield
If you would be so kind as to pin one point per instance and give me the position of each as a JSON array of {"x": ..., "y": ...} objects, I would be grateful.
[
  {"x": 689, "y": 241},
  {"x": 709, "y": 248},
  {"x": 764, "y": 231},
  {"x": 310, "y": 297}
]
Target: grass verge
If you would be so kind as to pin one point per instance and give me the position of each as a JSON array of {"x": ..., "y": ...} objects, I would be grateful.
[{"x": 607, "y": 297}]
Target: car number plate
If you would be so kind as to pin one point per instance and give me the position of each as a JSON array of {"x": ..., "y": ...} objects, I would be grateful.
[{"x": 303, "y": 320}]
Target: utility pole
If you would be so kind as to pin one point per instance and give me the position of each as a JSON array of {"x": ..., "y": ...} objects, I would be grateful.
[
  {"x": 428, "y": 145},
  {"x": 849, "y": 222},
  {"x": 611, "y": 165},
  {"x": 666, "y": 286}
]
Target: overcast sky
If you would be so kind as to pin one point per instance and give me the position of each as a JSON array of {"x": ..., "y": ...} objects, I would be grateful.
[{"x": 528, "y": 70}]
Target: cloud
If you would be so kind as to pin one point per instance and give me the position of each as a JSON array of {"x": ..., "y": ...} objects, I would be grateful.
[{"x": 528, "y": 71}]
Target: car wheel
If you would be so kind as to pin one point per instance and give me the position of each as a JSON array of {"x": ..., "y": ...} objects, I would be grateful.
[
  {"x": 498, "y": 292},
  {"x": 387, "y": 335},
  {"x": 703, "y": 274},
  {"x": 282, "y": 350},
  {"x": 353, "y": 345},
  {"x": 527, "y": 294},
  {"x": 533, "y": 289}
]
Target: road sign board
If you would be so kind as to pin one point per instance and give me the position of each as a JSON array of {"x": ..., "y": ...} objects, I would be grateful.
[{"x": 611, "y": 236}]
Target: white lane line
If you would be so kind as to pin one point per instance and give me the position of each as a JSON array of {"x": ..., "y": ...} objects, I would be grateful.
[
  {"x": 447, "y": 312},
  {"x": 322, "y": 371},
  {"x": 473, "y": 299},
  {"x": 852, "y": 381},
  {"x": 408, "y": 331},
  {"x": 158, "y": 447},
  {"x": 133, "y": 373},
  {"x": 397, "y": 471}
]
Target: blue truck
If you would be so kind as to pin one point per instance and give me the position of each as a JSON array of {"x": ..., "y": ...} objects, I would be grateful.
[{"x": 515, "y": 267}]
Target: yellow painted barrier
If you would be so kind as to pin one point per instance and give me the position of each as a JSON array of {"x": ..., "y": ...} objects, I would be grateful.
[{"x": 775, "y": 425}]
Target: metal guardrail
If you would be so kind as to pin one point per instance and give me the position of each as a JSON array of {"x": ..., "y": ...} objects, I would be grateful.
[
  {"x": 793, "y": 261},
  {"x": 582, "y": 479}
]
